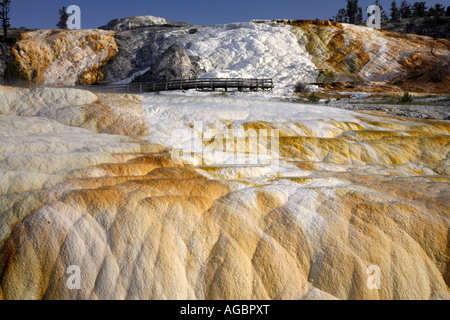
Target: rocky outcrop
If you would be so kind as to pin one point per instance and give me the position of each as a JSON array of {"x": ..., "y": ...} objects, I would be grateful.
[
  {"x": 140, "y": 50},
  {"x": 142, "y": 41},
  {"x": 131, "y": 23},
  {"x": 288, "y": 51},
  {"x": 174, "y": 64},
  {"x": 6, "y": 58},
  {"x": 345, "y": 52},
  {"x": 64, "y": 57}
]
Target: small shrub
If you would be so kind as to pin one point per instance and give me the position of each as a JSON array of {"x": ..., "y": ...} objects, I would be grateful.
[
  {"x": 137, "y": 79},
  {"x": 300, "y": 87},
  {"x": 407, "y": 98},
  {"x": 313, "y": 98},
  {"x": 398, "y": 83}
]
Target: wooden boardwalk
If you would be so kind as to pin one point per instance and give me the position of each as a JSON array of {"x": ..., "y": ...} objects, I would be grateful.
[{"x": 211, "y": 84}]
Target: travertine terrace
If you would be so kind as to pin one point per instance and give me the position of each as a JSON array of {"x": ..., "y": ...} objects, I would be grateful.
[{"x": 81, "y": 184}]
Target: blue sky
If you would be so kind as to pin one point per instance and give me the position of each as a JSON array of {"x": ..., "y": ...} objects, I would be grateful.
[{"x": 44, "y": 14}]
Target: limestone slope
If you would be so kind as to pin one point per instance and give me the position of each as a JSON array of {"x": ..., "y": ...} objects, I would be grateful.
[
  {"x": 349, "y": 52},
  {"x": 346, "y": 191},
  {"x": 288, "y": 51}
]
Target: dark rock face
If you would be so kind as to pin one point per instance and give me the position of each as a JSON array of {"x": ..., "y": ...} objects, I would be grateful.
[
  {"x": 150, "y": 43},
  {"x": 139, "y": 49},
  {"x": 144, "y": 44},
  {"x": 173, "y": 64},
  {"x": 5, "y": 58}
]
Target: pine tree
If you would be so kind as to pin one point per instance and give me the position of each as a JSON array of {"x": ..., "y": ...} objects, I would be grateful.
[
  {"x": 352, "y": 14},
  {"x": 395, "y": 14},
  {"x": 384, "y": 16},
  {"x": 352, "y": 11},
  {"x": 63, "y": 17},
  {"x": 434, "y": 19},
  {"x": 419, "y": 9},
  {"x": 439, "y": 10},
  {"x": 359, "y": 16},
  {"x": 4, "y": 16},
  {"x": 341, "y": 16},
  {"x": 405, "y": 10}
]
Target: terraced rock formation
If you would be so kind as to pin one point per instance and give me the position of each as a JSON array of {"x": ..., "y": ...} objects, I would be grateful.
[{"x": 82, "y": 185}]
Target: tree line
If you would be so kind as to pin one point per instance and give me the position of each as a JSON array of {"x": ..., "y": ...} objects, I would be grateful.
[
  {"x": 353, "y": 14},
  {"x": 5, "y": 8}
]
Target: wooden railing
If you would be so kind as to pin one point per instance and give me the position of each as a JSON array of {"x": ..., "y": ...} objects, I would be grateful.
[{"x": 212, "y": 84}]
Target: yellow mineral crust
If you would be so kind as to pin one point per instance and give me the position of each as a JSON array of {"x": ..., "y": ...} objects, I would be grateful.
[
  {"x": 362, "y": 53},
  {"x": 64, "y": 57},
  {"x": 174, "y": 234},
  {"x": 349, "y": 195}
]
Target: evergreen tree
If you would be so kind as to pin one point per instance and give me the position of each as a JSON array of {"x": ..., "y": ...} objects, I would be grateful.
[
  {"x": 351, "y": 14},
  {"x": 63, "y": 17},
  {"x": 447, "y": 13},
  {"x": 359, "y": 16},
  {"x": 4, "y": 16},
  {"x": 405, "y": 10},
  {"x": 419, "y": 9},
  {"x": 352, "y": 11},
  {"x": 434, "y": 19},
  {"x": 384, "y": 16},
  {"x": 395, "y": 13},
  {"x": 439, "y": 10},
  {"x": 341, "y": 16}
]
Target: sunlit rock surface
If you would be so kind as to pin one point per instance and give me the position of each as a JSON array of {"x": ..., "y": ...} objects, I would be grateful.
[
  {"x": 130, "y": 23},
  {"x": 351, "y": 190},
  {"x": 288, "y": 51},
  {"x": 348, "y": 52},
  {"x": 64, "y": 57}
]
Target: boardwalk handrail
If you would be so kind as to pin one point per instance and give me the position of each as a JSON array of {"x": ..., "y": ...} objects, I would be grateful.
[{"x": 241, "y": 84}]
